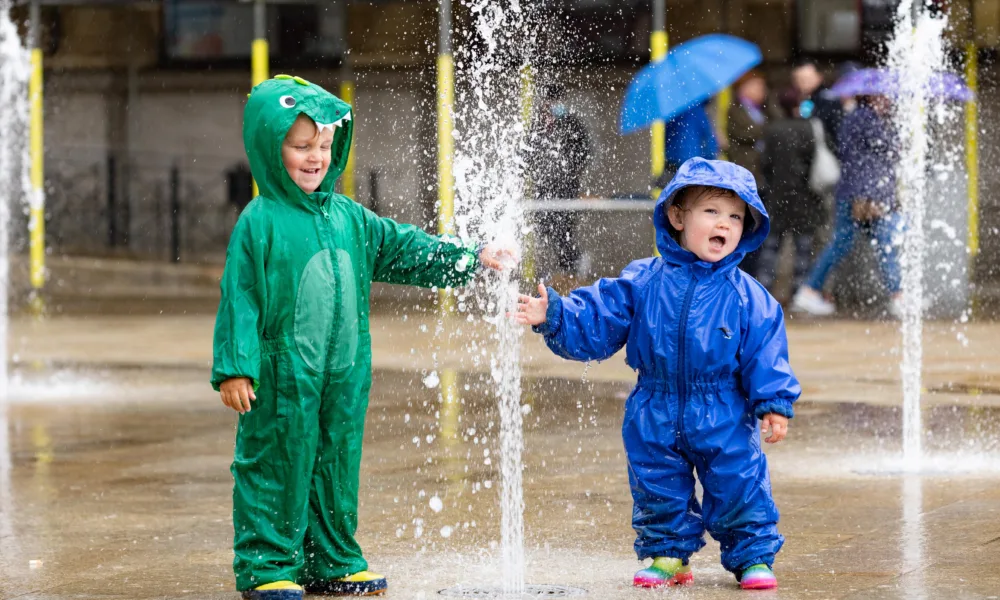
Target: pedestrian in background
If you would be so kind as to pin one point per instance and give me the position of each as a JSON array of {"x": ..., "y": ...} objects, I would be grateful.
[
  {"x": 745, "y": 126},
  {"x": 865, "y": 202},
  {"x": 559, "y": 152},
  {"x": 687, "y": 135},
  {"x": 745, "y": 130},
  {"x": 796, "y": 210},
  {"x": 808, "y": 81}
]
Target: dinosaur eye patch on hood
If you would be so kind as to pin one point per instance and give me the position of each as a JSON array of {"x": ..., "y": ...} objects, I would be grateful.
[{"x": 271, "y": 109}]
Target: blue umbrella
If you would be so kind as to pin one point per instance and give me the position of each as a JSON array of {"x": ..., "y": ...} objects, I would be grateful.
[
  {"x": 690, "y": 74},
  {"x": 884, "y": 82}
]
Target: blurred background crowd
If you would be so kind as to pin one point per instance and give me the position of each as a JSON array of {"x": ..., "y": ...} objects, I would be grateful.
[{"x": 144, "y": 157}]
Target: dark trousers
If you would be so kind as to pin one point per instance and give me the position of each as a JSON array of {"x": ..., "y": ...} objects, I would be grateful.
[
  {"x": 557, "y": 230},
  {"x": 767, "y": 262}
]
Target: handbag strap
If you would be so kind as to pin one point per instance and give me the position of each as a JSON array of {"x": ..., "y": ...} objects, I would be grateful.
[{"x": 817, "y": 127}]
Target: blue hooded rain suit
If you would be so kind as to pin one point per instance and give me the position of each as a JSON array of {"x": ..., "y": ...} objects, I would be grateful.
[{"x": 709, "y": 345}]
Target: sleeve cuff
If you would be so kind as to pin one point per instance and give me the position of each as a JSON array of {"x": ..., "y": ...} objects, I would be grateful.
[
  {"x": 776, "y": 406},
  {"x": 219, "y": 379},
  {"x": 474, "y": 249},
  {"x": 553, "y": 316}
]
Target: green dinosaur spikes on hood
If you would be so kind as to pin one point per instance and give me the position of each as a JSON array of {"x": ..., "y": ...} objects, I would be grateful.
[{"x": 272, "y": 107}]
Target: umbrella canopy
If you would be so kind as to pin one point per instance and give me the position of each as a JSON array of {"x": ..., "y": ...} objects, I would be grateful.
[
  {"x": 690, "y": 74},
  {"x": 885, "y": 82}
]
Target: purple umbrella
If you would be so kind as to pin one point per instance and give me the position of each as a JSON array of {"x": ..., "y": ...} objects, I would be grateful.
[{"x": 883, "y": 82}]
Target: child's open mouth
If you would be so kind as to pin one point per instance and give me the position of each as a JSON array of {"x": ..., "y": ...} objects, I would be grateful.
[
  {"x": 717, "y": 241},
  {"x": 311, "y": 171}
]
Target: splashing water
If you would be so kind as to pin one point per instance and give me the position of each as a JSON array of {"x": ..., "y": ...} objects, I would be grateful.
[
  {"x": 489, "y": 185},
  {"x": 14, "y": 184},
  {"x": 916, "y": 53}
]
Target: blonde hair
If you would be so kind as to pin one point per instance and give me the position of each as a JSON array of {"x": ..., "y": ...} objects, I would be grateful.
[
  {"x": 692, "y": 193},
  {"x": 687, "y": 196}
]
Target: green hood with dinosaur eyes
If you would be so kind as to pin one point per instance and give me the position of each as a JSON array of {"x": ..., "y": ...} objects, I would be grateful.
[{"x": 270, "y": 111}]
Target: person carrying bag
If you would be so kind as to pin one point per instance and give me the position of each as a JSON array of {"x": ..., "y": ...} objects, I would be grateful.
[{"x": 824, "y": 173}]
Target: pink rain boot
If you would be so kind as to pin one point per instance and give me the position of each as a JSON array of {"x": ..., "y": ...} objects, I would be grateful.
[
  {"x": 664, "y": 572},
  {"x": 758, "y": 577}
]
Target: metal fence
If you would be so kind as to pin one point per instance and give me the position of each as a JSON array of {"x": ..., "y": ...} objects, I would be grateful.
[
  {"x": 182, "y": 209},
  {"x": 142, "y": 205}
]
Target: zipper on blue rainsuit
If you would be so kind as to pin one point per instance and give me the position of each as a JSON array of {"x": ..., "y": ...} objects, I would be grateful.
[{"x": 682, "y": 358}]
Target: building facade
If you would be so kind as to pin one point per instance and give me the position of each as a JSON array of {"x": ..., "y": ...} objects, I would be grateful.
[{"x": 143, "y": 100}]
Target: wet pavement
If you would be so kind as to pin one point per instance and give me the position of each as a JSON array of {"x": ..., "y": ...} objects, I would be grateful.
[
  {"x": 841, "y": 361},
  {"x": 114, "y": 477}
]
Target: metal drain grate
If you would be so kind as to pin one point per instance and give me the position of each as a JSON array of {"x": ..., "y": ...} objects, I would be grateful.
[{"x": 530, "y": 591}]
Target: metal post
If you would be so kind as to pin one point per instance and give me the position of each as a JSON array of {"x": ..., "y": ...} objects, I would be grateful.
[
  {"x": 259, "y": 51},
  {"x": 347, "y": 95},
  {"x": 36, "y": 222},
  {"x": 658, "y": 44},
  {"x": 446, "y": 143},
  {"x": 175, "y": 214},
  {"x": 373, "y": 191},
  {"x": 972, "y": 139},
  {"x": 723, "y": 100},
  {"x": 128, "y": 162},
  {"x": 450, "y": 403},
  {"x": 112, "y": 201},
  {"x": 527, "y": 106}
]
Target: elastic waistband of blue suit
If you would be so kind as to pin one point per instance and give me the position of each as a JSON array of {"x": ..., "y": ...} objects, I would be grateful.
[{"x": 660, "y": 384}]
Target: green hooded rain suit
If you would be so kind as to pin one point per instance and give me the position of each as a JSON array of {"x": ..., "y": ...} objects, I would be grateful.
[{"x": 293, "y": 318}]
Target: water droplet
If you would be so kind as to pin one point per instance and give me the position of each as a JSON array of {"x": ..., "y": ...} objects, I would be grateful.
[{"x": 432, "y": 380}]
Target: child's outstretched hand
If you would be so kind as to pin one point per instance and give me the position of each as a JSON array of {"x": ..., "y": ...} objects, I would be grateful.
[
  {"x": 499, "y": 256},
  {"x": 778, "y": 426},
  {"x": 531, "y": 311},
  {"x": 237, "y": 393}
]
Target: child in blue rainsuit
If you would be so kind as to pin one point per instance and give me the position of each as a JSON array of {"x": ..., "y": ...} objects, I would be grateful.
[{"x": 709, "y": 345}]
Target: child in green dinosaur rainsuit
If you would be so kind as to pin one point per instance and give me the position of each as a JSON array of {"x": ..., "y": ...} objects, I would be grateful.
[{"x": 292, "y": 336}]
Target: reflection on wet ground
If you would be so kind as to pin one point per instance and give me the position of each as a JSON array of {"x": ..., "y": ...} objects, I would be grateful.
[{"x": 115, "y": 484}]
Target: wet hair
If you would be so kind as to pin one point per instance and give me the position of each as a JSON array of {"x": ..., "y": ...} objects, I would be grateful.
[
  {"x": 804, "y": 61},
  {"x": 687, "y": 196},
  {"x": 749, "y": 76}
]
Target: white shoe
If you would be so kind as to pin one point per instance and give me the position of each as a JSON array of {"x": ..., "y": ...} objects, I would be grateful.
[
  {"x": 896, "y": 307},
  {"x": 810, "y": 301}
]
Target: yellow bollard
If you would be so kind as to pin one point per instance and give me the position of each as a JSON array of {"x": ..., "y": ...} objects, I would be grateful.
[
  {"x": 658, "y": 44},
  {"x": 450, "y": 405},
  {"x": 972, "y": 147},
  {"x": 972, "y": 162},
  {"x": 259, "y": 58},
  {"x": 36, "y": 222},
  {"x": 259, "y": 53},
  {"x": 723, "y": 100},
  {"x": 446, "y": 157},
  {"x": 527, "y": 103},
  {"x": 347, "y": 178},
  {"x": 658, "y": 51}
]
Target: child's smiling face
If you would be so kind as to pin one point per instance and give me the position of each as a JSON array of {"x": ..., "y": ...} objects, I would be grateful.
[
  {"x": 710, "y": 222},
  {"x": 306, "y": 153}
]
